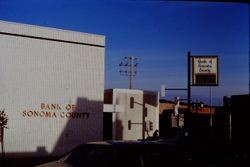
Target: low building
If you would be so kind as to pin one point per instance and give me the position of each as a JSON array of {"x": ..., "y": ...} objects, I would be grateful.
[
  {"x": 198, "y": 120},
  {"x": 130, "y": 114},
  {"x": 198, "y": 108}
]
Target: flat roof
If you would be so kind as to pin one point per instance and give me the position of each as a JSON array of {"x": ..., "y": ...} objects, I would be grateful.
[{"x": 54, "y": 34}]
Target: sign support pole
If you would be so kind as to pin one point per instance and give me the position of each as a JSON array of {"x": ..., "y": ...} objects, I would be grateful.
[
  {"x": 210, "y": 109},
  {"x": 188, "y": 117}
]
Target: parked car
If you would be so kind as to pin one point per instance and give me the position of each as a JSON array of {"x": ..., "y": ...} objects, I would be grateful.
[
  {"x": 124, "y": 154},
  {"x": 159, "y": 153}
]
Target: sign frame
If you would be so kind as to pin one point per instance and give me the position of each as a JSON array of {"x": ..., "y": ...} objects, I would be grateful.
[{"x": 209, "y": 67}]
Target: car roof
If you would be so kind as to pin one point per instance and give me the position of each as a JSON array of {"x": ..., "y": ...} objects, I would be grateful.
[{"x": 132, "y": 143}]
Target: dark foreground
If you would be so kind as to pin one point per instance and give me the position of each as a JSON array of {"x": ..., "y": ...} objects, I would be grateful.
[
  {"x": 24, "y": 162},
  {"x": 195, "y": 154}
]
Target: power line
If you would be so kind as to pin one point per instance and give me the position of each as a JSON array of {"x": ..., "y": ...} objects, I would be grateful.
[
  {"x": 128, "y": 67},
  {"x": 110, "y": 65}
]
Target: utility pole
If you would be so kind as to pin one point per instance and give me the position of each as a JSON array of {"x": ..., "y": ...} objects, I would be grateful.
[
  {"x": 188, "y": 89},
  {"x": 128, "y": 68}
]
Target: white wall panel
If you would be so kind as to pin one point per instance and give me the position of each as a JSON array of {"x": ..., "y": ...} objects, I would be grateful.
[{"x": 41, "y": 71}]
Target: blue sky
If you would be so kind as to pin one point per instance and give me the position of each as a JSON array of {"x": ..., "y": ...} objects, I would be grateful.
[{"x": 158, "y": 33}]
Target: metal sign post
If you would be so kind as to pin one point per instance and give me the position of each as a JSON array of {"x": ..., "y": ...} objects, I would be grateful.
[{"x": 210, "y": 109}]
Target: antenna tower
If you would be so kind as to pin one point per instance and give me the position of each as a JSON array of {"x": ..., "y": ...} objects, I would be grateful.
[{"x": 128, "y": 68}]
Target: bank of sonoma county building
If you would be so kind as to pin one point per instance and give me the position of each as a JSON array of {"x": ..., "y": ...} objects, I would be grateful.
[{"x": 51, "y": 88}]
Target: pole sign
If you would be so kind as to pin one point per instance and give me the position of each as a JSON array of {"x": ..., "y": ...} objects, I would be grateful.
[{"x": 205, "y": 71}]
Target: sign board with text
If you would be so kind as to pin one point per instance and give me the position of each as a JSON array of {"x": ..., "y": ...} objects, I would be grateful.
[{"x": 205, "y": 71}]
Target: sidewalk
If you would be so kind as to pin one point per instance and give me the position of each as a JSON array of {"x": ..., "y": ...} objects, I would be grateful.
[{"x": 24, "y": 162}]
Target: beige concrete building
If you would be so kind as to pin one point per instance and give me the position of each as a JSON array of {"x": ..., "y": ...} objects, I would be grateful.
[{"x": 134, "y": 113}]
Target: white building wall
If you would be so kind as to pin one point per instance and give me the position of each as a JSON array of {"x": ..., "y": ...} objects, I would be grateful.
[
  {"x": 40, "y": 67},
  {"x": 121, "y": 99},
  {"x": 133, "y": 114}
]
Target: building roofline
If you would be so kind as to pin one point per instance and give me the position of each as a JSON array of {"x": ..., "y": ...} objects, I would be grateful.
[{"x": 52, "y": 34}]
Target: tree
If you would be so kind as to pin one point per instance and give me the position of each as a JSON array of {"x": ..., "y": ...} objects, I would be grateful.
[{"x": 3, "y": 125}]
